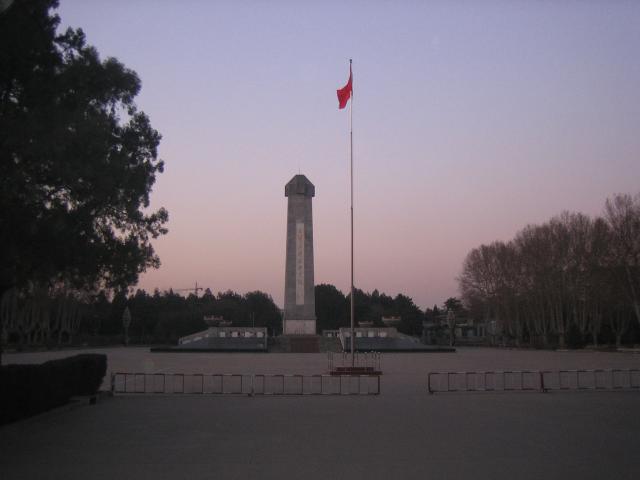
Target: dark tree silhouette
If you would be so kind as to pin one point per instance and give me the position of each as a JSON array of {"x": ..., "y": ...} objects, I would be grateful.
[
  {"x": 331, "y": 308},
  {"x": 77, "y": 159}
]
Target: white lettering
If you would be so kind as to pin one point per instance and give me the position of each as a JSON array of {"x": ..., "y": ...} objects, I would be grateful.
[{"x": 299, "y": 263}]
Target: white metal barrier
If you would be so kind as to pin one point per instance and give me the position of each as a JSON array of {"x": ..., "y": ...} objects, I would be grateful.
[
  {"x": 595, "y": 379},
  {"x": 243, "y": 384},
  {"x": 534, "y": 380}
]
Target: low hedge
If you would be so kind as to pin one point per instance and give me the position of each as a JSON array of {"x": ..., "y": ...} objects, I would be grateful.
[{"x": 26, "y": 390}]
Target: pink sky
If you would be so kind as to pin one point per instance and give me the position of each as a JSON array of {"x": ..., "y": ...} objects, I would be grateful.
[{"x": 472, "y": 119}]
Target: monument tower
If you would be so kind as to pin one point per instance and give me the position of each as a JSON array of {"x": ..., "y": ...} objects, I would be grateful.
[{"x": 299, "y": 294}]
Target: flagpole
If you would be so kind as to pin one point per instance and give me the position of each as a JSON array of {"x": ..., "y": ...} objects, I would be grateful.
[{"x": 351, "y": 157}]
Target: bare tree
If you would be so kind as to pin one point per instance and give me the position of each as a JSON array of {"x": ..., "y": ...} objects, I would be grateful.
[
  {"x": 623, "y": 215},
  {"x": 573, "y": 273}
]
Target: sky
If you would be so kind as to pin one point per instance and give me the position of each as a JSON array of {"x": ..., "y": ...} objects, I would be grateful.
[{"x": 471, "y": 119}]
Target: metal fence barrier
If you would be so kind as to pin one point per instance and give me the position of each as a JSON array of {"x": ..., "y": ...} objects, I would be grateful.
[
  {"x": 192, "y": 383},
  {"x": 596, "y": 379},
  {"x": 534, "y": 380},
  {"x": 243, "y": 384},
  {"x": 489, "y": 381},
  {"x": 280, "y": 384}
]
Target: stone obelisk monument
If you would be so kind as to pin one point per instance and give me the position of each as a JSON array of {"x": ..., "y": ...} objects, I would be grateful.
[{"x": 299, "y": 294}]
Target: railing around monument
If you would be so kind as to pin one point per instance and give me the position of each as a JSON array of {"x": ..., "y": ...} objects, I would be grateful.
[
  {"x": 534, "y": 380},
  {"x": 361, "y": 359},
  {"x": 243, "y": 384}
]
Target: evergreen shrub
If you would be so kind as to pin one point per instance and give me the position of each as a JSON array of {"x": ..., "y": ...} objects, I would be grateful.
[{"x": 26, "y": 390}]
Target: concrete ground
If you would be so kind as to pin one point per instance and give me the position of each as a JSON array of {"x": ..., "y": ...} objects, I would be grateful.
[{"x": 403, "y": 433}]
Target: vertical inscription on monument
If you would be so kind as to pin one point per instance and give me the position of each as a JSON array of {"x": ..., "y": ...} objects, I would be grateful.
[{"x": 300, "y": 263}]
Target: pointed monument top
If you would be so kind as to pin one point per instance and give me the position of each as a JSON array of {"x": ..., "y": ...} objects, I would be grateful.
[{"x": 299, "y": 185}]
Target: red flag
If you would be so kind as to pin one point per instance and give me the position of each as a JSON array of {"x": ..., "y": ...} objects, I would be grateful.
[{"x": 344, "y": 94}]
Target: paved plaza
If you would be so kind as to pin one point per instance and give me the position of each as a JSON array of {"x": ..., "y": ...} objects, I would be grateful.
[{"x": 403, "y": 433}]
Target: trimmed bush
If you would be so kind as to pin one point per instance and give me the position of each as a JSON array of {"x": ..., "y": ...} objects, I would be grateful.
[{"x": 26, "y": 390}]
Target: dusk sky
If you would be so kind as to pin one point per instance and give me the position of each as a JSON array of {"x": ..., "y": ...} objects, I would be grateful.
[{"x": 471, "y": 120}]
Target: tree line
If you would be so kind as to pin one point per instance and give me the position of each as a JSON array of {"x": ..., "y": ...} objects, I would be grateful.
[
  {"x": 162, "y": 318},
  {"x": 52, "y": 318},
  {"x": 333, "y": 309},
  {"x": 61, "y": 318},
  {"x": 569, "y": 280}
]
